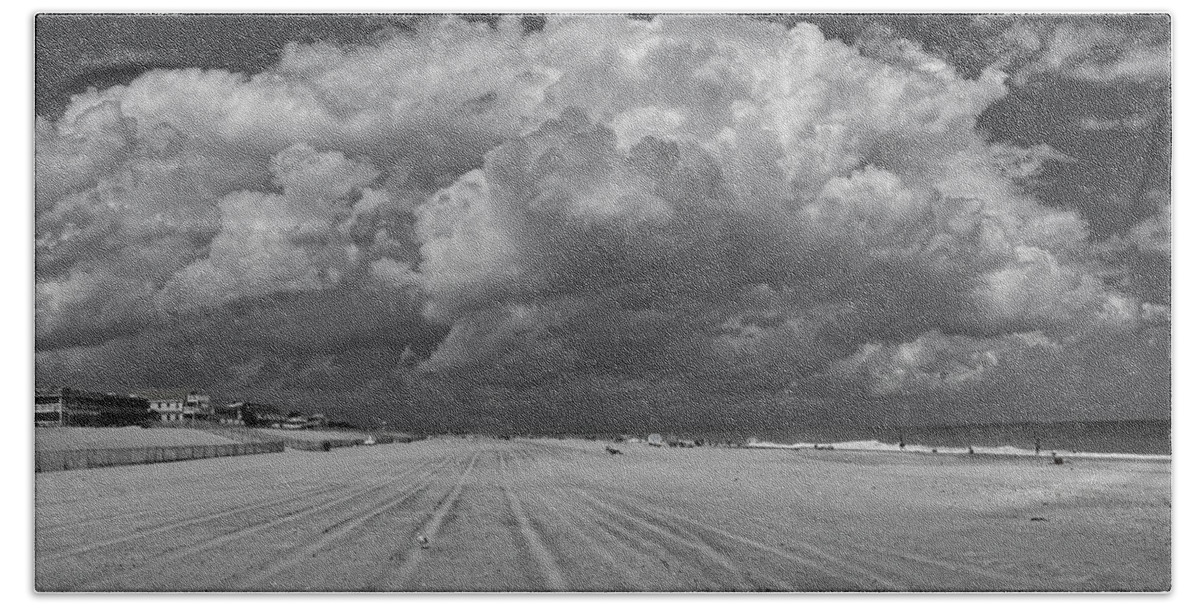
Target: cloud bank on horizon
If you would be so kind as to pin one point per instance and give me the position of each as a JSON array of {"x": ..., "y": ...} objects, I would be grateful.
[{"x": 706, "y": 222}]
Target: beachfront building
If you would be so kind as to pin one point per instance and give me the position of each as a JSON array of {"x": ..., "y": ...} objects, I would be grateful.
[
  {"x": 167, "y": 406},
  {"x": 70, "y": 407},
  {"x": 295, "y": 420},
  {"x": 48, "y": 408},
  {"x": 230, "y": 414},
  {"x": 261, "y": 414},
  {"x": 197, "y": 406}
]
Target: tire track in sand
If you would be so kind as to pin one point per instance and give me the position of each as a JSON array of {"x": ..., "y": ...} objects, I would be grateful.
[
  {"x": 941, "y": 567},
  {"x": 202, "y": 518},
  {"x": 697, "y": 544},
  {"x": 853, "y": 572},
  {"x": 855, "y": 562},
  {"x": 141, "y": 533},
  {"x": 591, "y": 532},
  {"x": 341, "y": 529},
  {"x": 164, "y": 509},
  {"x": 411, "y": 557},
  {"x": 222, "y": 539},
  {"x": 534, "y": 543}
]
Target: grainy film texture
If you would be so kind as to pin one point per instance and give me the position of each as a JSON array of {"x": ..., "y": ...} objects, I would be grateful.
[{"x": 603, "y": 302}]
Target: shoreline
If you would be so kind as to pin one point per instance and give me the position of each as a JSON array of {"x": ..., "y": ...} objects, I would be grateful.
[{"x": 999, "y": 451}]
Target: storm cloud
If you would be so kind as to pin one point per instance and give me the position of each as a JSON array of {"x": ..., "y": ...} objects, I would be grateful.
[{"x": 706, "y": 222}]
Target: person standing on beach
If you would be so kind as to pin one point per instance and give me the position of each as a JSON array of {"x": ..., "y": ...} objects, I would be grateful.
[{"x": 1037, "y": 446}]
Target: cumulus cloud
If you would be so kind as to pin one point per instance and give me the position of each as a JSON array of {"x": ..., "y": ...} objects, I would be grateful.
[
  {"x": 296, "y": 240},
  {"x": 933, "y": 361},
  {"x": 607, "y": 211},
  {"x": 1153, "y": 234},
  {"x": 1089, "y": 50}
]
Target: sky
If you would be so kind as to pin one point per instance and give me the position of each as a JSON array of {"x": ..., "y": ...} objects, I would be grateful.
[{"x": 577, "y": 224}]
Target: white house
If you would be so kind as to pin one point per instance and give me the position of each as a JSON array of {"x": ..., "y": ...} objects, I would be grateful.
[
  {"x": 197, "y": 405},
  {"x": 168, "y": 408}
]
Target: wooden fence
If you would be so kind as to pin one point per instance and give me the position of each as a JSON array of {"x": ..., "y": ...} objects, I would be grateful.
[{"x": 63, "y": 460}]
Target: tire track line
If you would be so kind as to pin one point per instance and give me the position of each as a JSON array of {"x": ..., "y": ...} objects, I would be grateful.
[
  {"x": 534, "y": 543},
  {"x": 170, "y": 508},
  {"x": 141, "y": 533},
  {"x": 222, "y": 539},
  {"x": 99, "y": 519},
  {"x": 654, "y": 551},
  {"x": 639, "y": 544},
  {"x": 815, "y": 562},
  {"x": 344, "y": 528},
  {"x": 431, "y": 526},
  {"x": 588, "y": 531},
  {"x": 698, "y": 545},
  {"x": 941, "y": 565}
]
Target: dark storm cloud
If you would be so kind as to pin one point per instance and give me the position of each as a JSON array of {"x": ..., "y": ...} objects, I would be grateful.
[{"x": 587, "y": 221}]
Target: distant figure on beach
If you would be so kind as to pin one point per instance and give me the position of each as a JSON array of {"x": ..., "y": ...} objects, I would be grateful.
[{"x": 1037, "y": 446}]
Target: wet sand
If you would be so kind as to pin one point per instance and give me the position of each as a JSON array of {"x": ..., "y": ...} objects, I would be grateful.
[{"x": 565, "y": 515}]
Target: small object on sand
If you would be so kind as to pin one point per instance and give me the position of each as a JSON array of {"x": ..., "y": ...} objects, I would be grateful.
[
  {"x": 970, "y": 450},
  {"x": 1037, "y": 519},
  {"x": 423, "y": 541},
  {"x": 612, "y": 450},
  {"x": 934, "y": 450},
  {"x": 1058, "y": 459}
]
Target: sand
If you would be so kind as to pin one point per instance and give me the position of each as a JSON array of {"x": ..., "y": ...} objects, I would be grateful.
[
  {"x": 565, "y": 515},
  {"x": 84, "y": 438}
]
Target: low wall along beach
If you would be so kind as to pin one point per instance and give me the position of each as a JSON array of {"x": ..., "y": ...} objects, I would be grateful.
[{"x": 62, "y": 460}]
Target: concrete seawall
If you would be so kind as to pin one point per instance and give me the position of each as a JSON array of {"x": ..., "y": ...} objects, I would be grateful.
[{"x": 63, "y": 460}]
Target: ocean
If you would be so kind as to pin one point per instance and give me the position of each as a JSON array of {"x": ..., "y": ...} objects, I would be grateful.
[{"x": 1106, "y": 437}]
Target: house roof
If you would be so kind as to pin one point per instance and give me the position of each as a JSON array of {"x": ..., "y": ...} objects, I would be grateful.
[{"x": 162, "y": 395}]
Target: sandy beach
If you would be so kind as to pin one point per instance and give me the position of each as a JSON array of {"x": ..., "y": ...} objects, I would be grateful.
[{"x": 564, "y": 515}]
